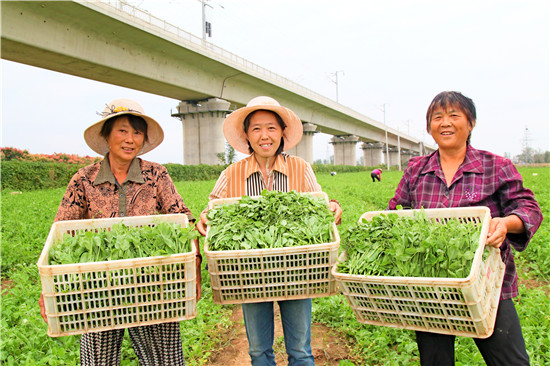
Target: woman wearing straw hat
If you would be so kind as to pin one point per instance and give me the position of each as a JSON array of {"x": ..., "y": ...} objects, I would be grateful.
[
  {"x": 124, "y": 185},
  {"x": 264, "y": 129}
]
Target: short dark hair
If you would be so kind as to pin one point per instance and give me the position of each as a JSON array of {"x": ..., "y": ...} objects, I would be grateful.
[
  {"x": 448, "y": 99},
  {"x": 246, "y": 126},
  {"x": 137, "y": 122}
]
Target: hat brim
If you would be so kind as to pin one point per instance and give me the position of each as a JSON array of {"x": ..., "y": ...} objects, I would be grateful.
[
  {"x": 235, "y": 135},
  {"x": 96, "y": 142}
]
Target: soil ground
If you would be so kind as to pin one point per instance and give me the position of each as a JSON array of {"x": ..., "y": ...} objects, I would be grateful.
[{"x": 328, "y": 347}]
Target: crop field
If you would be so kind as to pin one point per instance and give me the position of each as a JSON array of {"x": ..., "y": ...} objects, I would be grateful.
[{"x": 27, "y": 217}]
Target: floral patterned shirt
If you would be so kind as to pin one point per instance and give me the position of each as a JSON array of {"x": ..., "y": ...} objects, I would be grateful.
[
  {"x": 93, "y": 192},
  {"x": 483, "y": 179}
]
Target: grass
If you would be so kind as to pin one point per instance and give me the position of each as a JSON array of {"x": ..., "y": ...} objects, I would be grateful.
[{"x": 27, "y": 217}]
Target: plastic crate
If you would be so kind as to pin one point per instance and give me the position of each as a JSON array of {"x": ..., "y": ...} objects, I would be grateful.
[
  {"x": 457, "y": 306},
  {"x": 259, "y": 275},
  {"x": 99, "y": 296}
]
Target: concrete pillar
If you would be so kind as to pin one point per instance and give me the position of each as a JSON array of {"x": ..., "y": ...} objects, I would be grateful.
[
  {"x": 394, "y": 157},
  {"x": 203, "y": 136},
  {"x": 405, "y": 157},
  {"x": 304, "y": 148},
  {"x": 421, "y": 148},
  {"x": 372, "y": 153},
  {"x": 399, "y": 153},
  {"x": 344, "y": 149}
]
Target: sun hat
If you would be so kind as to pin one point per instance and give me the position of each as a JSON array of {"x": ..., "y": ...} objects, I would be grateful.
[
  {"x": 233, "y": 125},
  {"x": 119, "y": 107}
]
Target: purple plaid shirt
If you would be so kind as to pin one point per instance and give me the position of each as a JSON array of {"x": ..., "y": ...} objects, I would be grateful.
[{"x": 483, "y": 179}]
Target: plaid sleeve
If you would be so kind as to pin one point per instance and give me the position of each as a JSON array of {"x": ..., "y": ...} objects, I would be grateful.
[
  {"x": 402, "y": 196},
  {"x": 517, "y": 200}
]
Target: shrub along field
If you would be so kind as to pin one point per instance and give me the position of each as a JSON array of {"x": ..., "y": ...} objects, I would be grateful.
[{"x": 27, "y": 217}]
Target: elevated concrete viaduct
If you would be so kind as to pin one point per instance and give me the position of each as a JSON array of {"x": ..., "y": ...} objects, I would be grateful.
[{"x": 116, "y": 43}]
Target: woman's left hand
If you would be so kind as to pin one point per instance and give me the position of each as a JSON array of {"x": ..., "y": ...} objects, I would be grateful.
[
  {"x": 499, "y": 227},
  {"x": 335, "y": 207}
]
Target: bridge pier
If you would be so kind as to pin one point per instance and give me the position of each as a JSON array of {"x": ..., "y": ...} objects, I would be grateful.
[
  {"x": 304, "y": 149},
  {"x": 394, "y": 158},
  {"x": 202, "y": 124},
  {"x": 405, "y": 157},
  {"x": 344, "y": 149},
  {"x": 372, "y": 153}
]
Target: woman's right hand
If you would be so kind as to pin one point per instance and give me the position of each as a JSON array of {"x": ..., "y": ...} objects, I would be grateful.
[
  {"x": 201, "y": 224},
  {"x": 42, "y": 309}
]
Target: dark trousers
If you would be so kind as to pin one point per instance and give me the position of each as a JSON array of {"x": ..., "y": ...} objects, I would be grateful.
[
  {"x": 504, "y": 347},
  {"x": 375, "y": 176}
]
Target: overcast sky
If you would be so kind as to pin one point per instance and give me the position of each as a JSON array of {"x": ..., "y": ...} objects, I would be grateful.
[{"x": 398, "y": 53}]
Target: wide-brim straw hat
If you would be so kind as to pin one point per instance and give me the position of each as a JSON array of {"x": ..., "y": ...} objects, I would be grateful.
[
  {"x": 233, "y": 129},
  {"x": 116, "y": 108}
]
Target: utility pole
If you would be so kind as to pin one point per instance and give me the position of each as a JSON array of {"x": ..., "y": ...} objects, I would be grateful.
[
  {"x": 386, "y": 132},
  {"x": 335, "y": 81},
  {"x": 206, "y": 26}
]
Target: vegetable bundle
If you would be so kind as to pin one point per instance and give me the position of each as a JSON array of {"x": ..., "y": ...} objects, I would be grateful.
[
  {"x": 122, "y": 242},
  {"x": 273, "y": 220},
  {"x": 392, "y": 245}
]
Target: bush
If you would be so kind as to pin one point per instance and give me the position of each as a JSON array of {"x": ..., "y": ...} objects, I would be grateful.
[
  {"x": 31, "y": 175},
  {"x": 182, "y": 173}
]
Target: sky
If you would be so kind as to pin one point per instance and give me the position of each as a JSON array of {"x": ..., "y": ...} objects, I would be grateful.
[{"x": 393, "y": 53}]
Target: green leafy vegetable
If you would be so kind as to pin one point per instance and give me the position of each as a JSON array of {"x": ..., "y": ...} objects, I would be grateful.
[
  {"x": 122, "y": 242},
  {"x": 392, "y": 245},
  {"x": 273, "y": 220}
]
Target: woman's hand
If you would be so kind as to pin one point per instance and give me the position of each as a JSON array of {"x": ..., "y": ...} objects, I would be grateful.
[
  {"x": 198, "y": 261},
  {"x": 499, "y": 227},
  {"x": 201, "y": 224},
  {"x": 334, "y": 206},
  {"x": 42, "y": 309}
]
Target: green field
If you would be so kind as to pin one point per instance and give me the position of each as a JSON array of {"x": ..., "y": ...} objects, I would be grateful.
[{"x": 27, "y": 217}]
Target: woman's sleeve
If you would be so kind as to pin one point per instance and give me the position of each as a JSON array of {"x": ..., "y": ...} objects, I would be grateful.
[
  {"x": 402, "y": 193},
  {"x": 74, "y": 203},
  {"x": 220, "y": 188},
  {"x": 515, "y": 199},
  {"x": 169, "y": 201},
  {"x": 310, "y": 181}
]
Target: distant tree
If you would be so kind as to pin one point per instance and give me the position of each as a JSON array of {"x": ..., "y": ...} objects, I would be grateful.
[
  {"x": 231, "y": 156},
  {"x": 228, "y": 156},
  {"x": 526, "y": 156}
]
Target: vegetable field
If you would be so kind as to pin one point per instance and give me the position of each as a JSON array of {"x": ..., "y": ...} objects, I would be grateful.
[{"x": 27, "y": 217}]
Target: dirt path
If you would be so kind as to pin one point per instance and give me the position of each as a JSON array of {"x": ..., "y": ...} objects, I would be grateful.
[{"x": 327, "y": 346}]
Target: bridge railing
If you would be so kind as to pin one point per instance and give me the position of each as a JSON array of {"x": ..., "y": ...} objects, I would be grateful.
[{"x": 195, "y": 41}]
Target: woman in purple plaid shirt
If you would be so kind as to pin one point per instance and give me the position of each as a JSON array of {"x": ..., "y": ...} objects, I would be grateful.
[{"x": 457, "y": 175}]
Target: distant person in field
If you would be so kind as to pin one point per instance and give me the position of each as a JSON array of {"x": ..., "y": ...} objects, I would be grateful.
[
  {"x": 376, "y": 175},
  {"x": 458, "y": 175},
  {"x": 124, "y": 185},
  {"x": 264, "y": 129}
]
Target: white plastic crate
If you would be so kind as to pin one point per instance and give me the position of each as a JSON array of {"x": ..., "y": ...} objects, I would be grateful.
[
  {"x": 258, "y": 275},
  {"x": 99, "y": 296},
  {"x": 457, "y": 306}
]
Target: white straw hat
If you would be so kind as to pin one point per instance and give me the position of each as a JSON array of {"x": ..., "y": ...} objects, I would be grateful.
[
  {"x": 233, "y": 129},
  {"x": 119, "y": 107}
]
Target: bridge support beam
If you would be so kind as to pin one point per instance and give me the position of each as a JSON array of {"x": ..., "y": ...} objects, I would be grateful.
[
  {"x": 344, "y": 149},
  {"x": 203, "y": 136},
  {"x": 304, "y": 149},
  {"x": 372, "y": 154}
]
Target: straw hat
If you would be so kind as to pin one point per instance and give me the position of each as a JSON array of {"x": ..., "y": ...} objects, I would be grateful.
[
  {"x": 119, "y": 107},
  {"x": 233, "y": 125}
]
